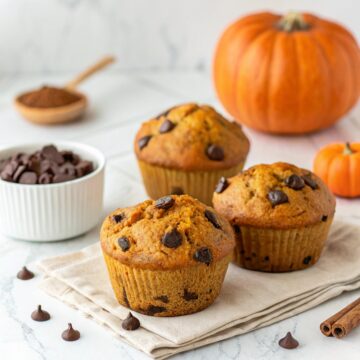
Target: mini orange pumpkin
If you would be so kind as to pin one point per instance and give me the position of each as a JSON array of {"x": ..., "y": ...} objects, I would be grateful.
[
  {"x": 338, "y": 165},
  {"x": 291, "y": 74}
]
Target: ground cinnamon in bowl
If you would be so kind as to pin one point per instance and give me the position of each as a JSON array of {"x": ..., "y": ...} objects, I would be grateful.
[{"x": 48, "y": 97}]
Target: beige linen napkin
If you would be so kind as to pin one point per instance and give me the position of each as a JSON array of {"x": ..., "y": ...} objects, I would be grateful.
[{"x": 248, "y": 300}]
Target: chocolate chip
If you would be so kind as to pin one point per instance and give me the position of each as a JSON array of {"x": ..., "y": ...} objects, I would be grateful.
[
  {"x": 172, "y": 239},
  {"x": 221, "y": 185},
  {"x": 288, "y": 342},
  {"x": 9, "y": 169},
  {"x": 70, "y": 334},
  {"x": 152, "y": 310},
  {"x": 307, "y": 260},
  {"x": 266, "y": 258},
  {"x": 162, "y": 298},
  {"x": 188, "y": 296},
  {"x": 166, "y": 126},
  {"x": 118, "y": 218},
  {"x": 70, "y": 157},
  {"x": 130, "y": 323},
  {"x": 215, "y": 152},
  {"x": 40, "y": 315},
  {"x": 69, "y": 169},
  {"x": 124, "y": 243},
  {"x": 45, "y": 178},
  {"x": 324, "y": 218},
  {"x": 277, "y": 197},
  {"x": 83, "y": 168},
  {"x": 236, "y": 229},
  {"x": 45, "y": 166},
  {"x": 165, "y": 202},
  {"x": 203, "y": 255},
  {"x": 59, "y": 178},
  {"x": 247, "y": 258},
  {"x": 28, "y": 177},
  {"x": 51, "y": 153},
  {"x": 295, "y": 182},
  {"x": 212, "y": 218},
  {"x": 19, "y": 171},
  {"x": 144, "y": 141},
  {"x": 176, "y": 190},
  {"x": 310, "y": 182},
  {"x": 25, "y": 274}
]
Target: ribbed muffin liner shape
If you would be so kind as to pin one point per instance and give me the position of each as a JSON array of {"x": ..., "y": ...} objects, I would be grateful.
[
  {"x": 280, "y": 250},
  {"x": 160, "y": 181},
  {"x": 167, "y": 292}
]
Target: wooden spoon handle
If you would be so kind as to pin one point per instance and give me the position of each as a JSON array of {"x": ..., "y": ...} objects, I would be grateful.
[{"x": 88, "y": 72}]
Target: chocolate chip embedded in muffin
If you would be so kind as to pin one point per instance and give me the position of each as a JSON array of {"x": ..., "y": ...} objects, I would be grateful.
[
  {"x": 169, "y": 245},
  {"x": 215, "y": 152},
  {"x": 221, "y": 185},
  {"x": 294, "y": 182},
  {"x": 166, "y": 126},
  {"x": 117, "y": 218},
  {"x": 143, "y": 142},
  {"x": 162, "y": 298},
  {"x": 188, "y": 296},
  {"x": 212, "y": 218},
  {"x": 152, "y": 310},
  {"x": 307, "y": 260},
  {"x": 172, "y": 239},
  {"x": 176, "y": 190},
  {"x": 324, "y": 218},
  {"x": 277, "y": 197},
  {"x": 203, "y": 255},
  {"x": 310, "y": 182},
  {"x": 165, "y": 202},
  {"x": 124, "y": 243}
]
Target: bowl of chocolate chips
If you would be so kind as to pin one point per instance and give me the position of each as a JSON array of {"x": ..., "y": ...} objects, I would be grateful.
[{"x": 50, "y": 192}]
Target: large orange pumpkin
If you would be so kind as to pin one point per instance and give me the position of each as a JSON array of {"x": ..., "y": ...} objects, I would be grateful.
[
  {"x": 291, "y": 74},
  {"x": 338, "y": 165}
]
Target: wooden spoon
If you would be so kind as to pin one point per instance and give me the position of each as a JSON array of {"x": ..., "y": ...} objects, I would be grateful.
[{"x": 66, "y": 113}]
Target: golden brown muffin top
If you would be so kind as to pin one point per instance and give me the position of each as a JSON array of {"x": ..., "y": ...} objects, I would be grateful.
[
  {"x": 191, "y": 137},
  {"x": 278, "y": 196},
  {"x": 170, "y": 233}
]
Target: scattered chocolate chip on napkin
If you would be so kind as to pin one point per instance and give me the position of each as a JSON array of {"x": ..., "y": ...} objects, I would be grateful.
[{"x": 249, "y": 300}]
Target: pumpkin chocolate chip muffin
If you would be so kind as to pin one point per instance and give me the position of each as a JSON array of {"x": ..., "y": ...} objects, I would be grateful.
[
  {"x": 167, "y": 257},
  {"x": 281, "y": 215},
  {"x": 187, "y": 149}
]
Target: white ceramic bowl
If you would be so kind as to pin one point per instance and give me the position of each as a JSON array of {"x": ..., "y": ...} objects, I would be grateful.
[{"x": 54, "y": 211}]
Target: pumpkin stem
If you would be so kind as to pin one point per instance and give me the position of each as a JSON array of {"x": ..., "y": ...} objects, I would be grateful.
[
  {"x": 347, "y": 149},
  {"x": 293, "y": 21}
]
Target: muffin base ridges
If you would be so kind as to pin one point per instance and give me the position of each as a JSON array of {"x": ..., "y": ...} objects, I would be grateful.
[
  {"x": 280, "y": 250},
  {"x": 160, "y": 181},
  {"x": 167, "y": 292}
]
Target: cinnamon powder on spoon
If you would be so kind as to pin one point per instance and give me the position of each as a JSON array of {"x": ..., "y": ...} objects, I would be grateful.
[{"x": 48, "y": 97}]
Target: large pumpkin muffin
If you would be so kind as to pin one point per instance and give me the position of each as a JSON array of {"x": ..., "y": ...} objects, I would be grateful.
[
  {"x": 167, "y": 257},
  {"x": 187, "y": 149},
  {"x": 281, "y": 215}
]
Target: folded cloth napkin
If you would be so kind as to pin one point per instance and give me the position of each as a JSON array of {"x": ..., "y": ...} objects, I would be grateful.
[{"x": 249, "y": 300}]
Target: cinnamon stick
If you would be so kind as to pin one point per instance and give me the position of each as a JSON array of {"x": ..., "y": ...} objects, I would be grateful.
[{"x": 341, "y": 323}]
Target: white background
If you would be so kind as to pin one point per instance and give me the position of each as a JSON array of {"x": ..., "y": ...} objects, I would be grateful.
[{"x": 66, "y": 35}]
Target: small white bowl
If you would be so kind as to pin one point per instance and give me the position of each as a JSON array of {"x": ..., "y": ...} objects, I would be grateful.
[{"x": 53, "y": 211}]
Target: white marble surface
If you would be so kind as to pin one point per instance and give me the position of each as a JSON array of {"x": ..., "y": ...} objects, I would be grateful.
[
  {"x": 119, "y": 104},
  {"x": 61, "y": 35}
]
